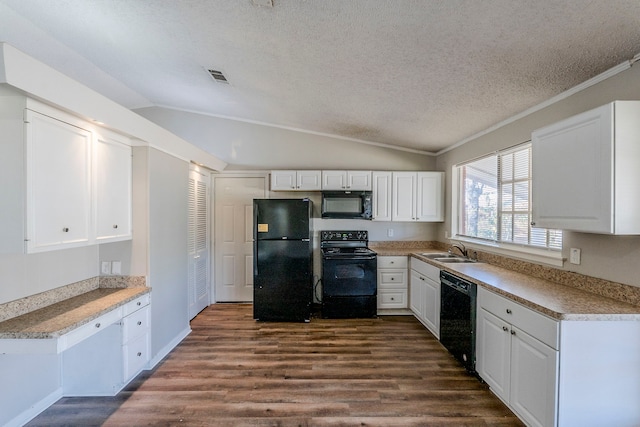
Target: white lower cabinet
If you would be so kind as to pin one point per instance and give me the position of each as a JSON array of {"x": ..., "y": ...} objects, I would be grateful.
[
  {"x": 424, "y": 294},
  {"x": 392, "y": 282},
  {"x": 110, "y": 353},
  {"x": 520, "y": 369}
]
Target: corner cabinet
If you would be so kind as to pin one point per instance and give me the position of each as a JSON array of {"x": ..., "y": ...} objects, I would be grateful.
[
  {"x": 292, "y": 180},
  {"x": 424, "y": 294},
  {"x": 585, "y": 171},
  {"x": 418, "y": 196},
  {"x": 72, "y": 179}
]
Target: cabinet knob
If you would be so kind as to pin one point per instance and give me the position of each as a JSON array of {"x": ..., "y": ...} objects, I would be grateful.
[
  {"x": 508, "y": 311},
  {"x": 139, "y": 354},
  {"x": 139, "y": 323},
  {"x": 392, "y": 279},
  {"x": 421, "y": 278},
  {"x": 392, "y": 262},
  {"x": 115, "y": 225},
  {"x": 393, "y": 299},
  {"x": 513, "y": 332},
  {"x": 504, "y": 328},
  {"x": 97, "y": 325},
  {"x": 65, "y": 229},
  {"x": 533, "y": 223}
]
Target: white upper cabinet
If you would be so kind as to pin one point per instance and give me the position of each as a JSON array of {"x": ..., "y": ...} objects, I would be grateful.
[
  {"x": 346, "y": 180},
  {"x": 418, "y": 196},
  {"x": 113, "y": 187},
  {"x": 381, "y": 196},
  {"x": 292, "y": 180},
  {"x": 58, "y": 183},
  {"x": 585, "y": 171},
  {"x": 71, "y": 181}
]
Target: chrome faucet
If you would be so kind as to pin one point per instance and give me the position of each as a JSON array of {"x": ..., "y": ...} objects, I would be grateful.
[{"x": 461, "y": 248}]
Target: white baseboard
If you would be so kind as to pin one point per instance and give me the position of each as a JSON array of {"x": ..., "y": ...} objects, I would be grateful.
[{"x": 35, "y": 409}]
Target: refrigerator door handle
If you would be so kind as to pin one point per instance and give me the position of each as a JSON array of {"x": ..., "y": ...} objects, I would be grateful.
[{"x": 306, "y": 240}]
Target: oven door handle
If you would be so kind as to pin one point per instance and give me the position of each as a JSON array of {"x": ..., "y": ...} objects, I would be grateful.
[{"x": 351, "y": 257}]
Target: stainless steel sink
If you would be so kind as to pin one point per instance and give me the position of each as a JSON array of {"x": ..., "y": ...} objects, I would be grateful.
[
  {"x": 436, "y": 255},
  {"x": 453, "y": 259}
]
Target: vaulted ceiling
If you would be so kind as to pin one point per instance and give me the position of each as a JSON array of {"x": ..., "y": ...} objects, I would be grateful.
[{"x": 417, "y": 74}]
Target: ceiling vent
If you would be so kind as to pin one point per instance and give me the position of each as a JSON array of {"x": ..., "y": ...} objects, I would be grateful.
[{"x": 218, "y": 76}]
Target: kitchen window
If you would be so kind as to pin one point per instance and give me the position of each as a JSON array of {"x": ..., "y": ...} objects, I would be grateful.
[{"x": 494, "y": 204}]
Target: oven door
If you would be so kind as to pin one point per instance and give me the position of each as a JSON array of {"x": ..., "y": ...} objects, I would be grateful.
[{"x": 349, "y": 276}]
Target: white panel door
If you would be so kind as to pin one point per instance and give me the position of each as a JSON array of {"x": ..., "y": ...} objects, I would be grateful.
[
  {"x": 198, "y": 241},
  {"x": 233, "y": 241}
]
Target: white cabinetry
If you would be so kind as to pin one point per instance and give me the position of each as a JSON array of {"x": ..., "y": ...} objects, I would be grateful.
[
  {"x": 517, "y": 355},
  {"x": 136, "y": 345},
  {"x": 346, "y": 180},
  {"x": 585, "y": 171},
  {"x": 392, "y": 282},
  {"x": 71, "y": 180},
  {"x": 381, "y": 196},
  {"x": 418, "y": 196},
  {"x": 292, "y": 180},
  {"x": 424, "y": 294},
  {"x": 58, "y": 183},
  {"x": 113, "y": 187}
]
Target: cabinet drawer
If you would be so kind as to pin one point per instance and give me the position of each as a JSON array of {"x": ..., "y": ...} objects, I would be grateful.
[
  {"x": 135, "y": 324},
  {"x": 136, "y": 304},
  {"x": 392, "y": 262},
  {"x": 535, "y": 324},
  {"x": 392, "y": 279},
  {"x": 392, "y": 299},
  {"x": 426, "y": 269},
  {"x": 93, "y": 327},
  {"x": 136, "y": 355}
]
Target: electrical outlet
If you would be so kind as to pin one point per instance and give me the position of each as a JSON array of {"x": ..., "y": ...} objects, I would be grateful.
[
  {"x": 574, "y": 256},
  {"x": 116, "y": 267},
  {"x": 105, "y": 268},
  {"x": 389, "y": 232}
]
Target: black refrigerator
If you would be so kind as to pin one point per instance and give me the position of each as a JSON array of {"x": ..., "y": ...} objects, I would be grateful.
[{"x": 282, "y": 260}]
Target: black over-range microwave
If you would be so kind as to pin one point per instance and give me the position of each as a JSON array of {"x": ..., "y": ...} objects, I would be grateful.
[{"x": 346, "y": 204}]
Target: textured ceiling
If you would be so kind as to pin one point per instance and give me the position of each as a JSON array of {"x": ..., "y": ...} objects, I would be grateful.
[{"x": 419, "y": 74}]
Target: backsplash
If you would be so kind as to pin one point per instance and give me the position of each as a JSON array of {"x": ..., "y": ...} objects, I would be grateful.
[{"x": 31, "y": 303}]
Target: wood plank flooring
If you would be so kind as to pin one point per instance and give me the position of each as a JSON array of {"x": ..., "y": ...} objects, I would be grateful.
[{"x": 234, "y": 371}]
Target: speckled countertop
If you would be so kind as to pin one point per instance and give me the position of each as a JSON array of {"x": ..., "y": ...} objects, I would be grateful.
[
  {"x": 553, "y": 299},
  {"x": 57, "y": 319}
]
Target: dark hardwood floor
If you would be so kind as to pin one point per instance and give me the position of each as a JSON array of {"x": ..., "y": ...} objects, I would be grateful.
[{"x": 234, "y": 371}]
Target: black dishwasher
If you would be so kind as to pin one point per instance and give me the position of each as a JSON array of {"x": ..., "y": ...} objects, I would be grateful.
[{"x": 458, "y": 318}]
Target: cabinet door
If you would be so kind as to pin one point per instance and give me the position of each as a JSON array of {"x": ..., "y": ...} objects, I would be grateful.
[
  {"x": 493, "y": 352},
  {"x": 309, "y": 180},
  {"x": 113, "y": 189},
  {"x": 430, "y": 196},
  {"x": 431, "y": 304},
  {"x": 284, "y": 180},
  {"x": 381, "y": 196},
  {"x": 572, "y": 164},
  {"x": 58, "y": 183},
  {"x": 416, "y": 294},
  {"x": 404, "y": 196},
  {"x": 534, "y": 368},
  {"x": 334, "y": 180},
  {"x": 359, "y": 180}
]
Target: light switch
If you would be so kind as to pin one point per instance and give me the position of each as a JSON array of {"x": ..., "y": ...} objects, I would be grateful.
[
  {"x": 106, "y": 267},
  {"x": 574, "y": 256},
  {"x": 116, "y": 267}
]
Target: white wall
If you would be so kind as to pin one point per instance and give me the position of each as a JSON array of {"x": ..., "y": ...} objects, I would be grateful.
[
  {"x": 252, "y": 146},
  {"x": 612, "y": 258}
]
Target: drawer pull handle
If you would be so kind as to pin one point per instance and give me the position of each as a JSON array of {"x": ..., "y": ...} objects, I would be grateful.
[
  {"x": 139, "y": 303},
  {"x": 393, "y": 299},
  {"x": 65, "y": 229},
  {"x": 97, "y": 325},
  {"x": 392, "y": 279},
  {"x": 139, "y": 322},
  {"x": 504, "y": 328},
  {"x": 115, "y": 225},
  {"x": 508, "y": 311},
  {"x": 392, "y": 262},
  {"x": 139, "y": 354}
]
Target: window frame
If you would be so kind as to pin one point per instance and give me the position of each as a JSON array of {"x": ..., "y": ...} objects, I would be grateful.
[{"x": 523, "y": 251}]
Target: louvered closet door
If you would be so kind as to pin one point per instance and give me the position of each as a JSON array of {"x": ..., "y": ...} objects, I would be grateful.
[{"x": 198, "y": 242}]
